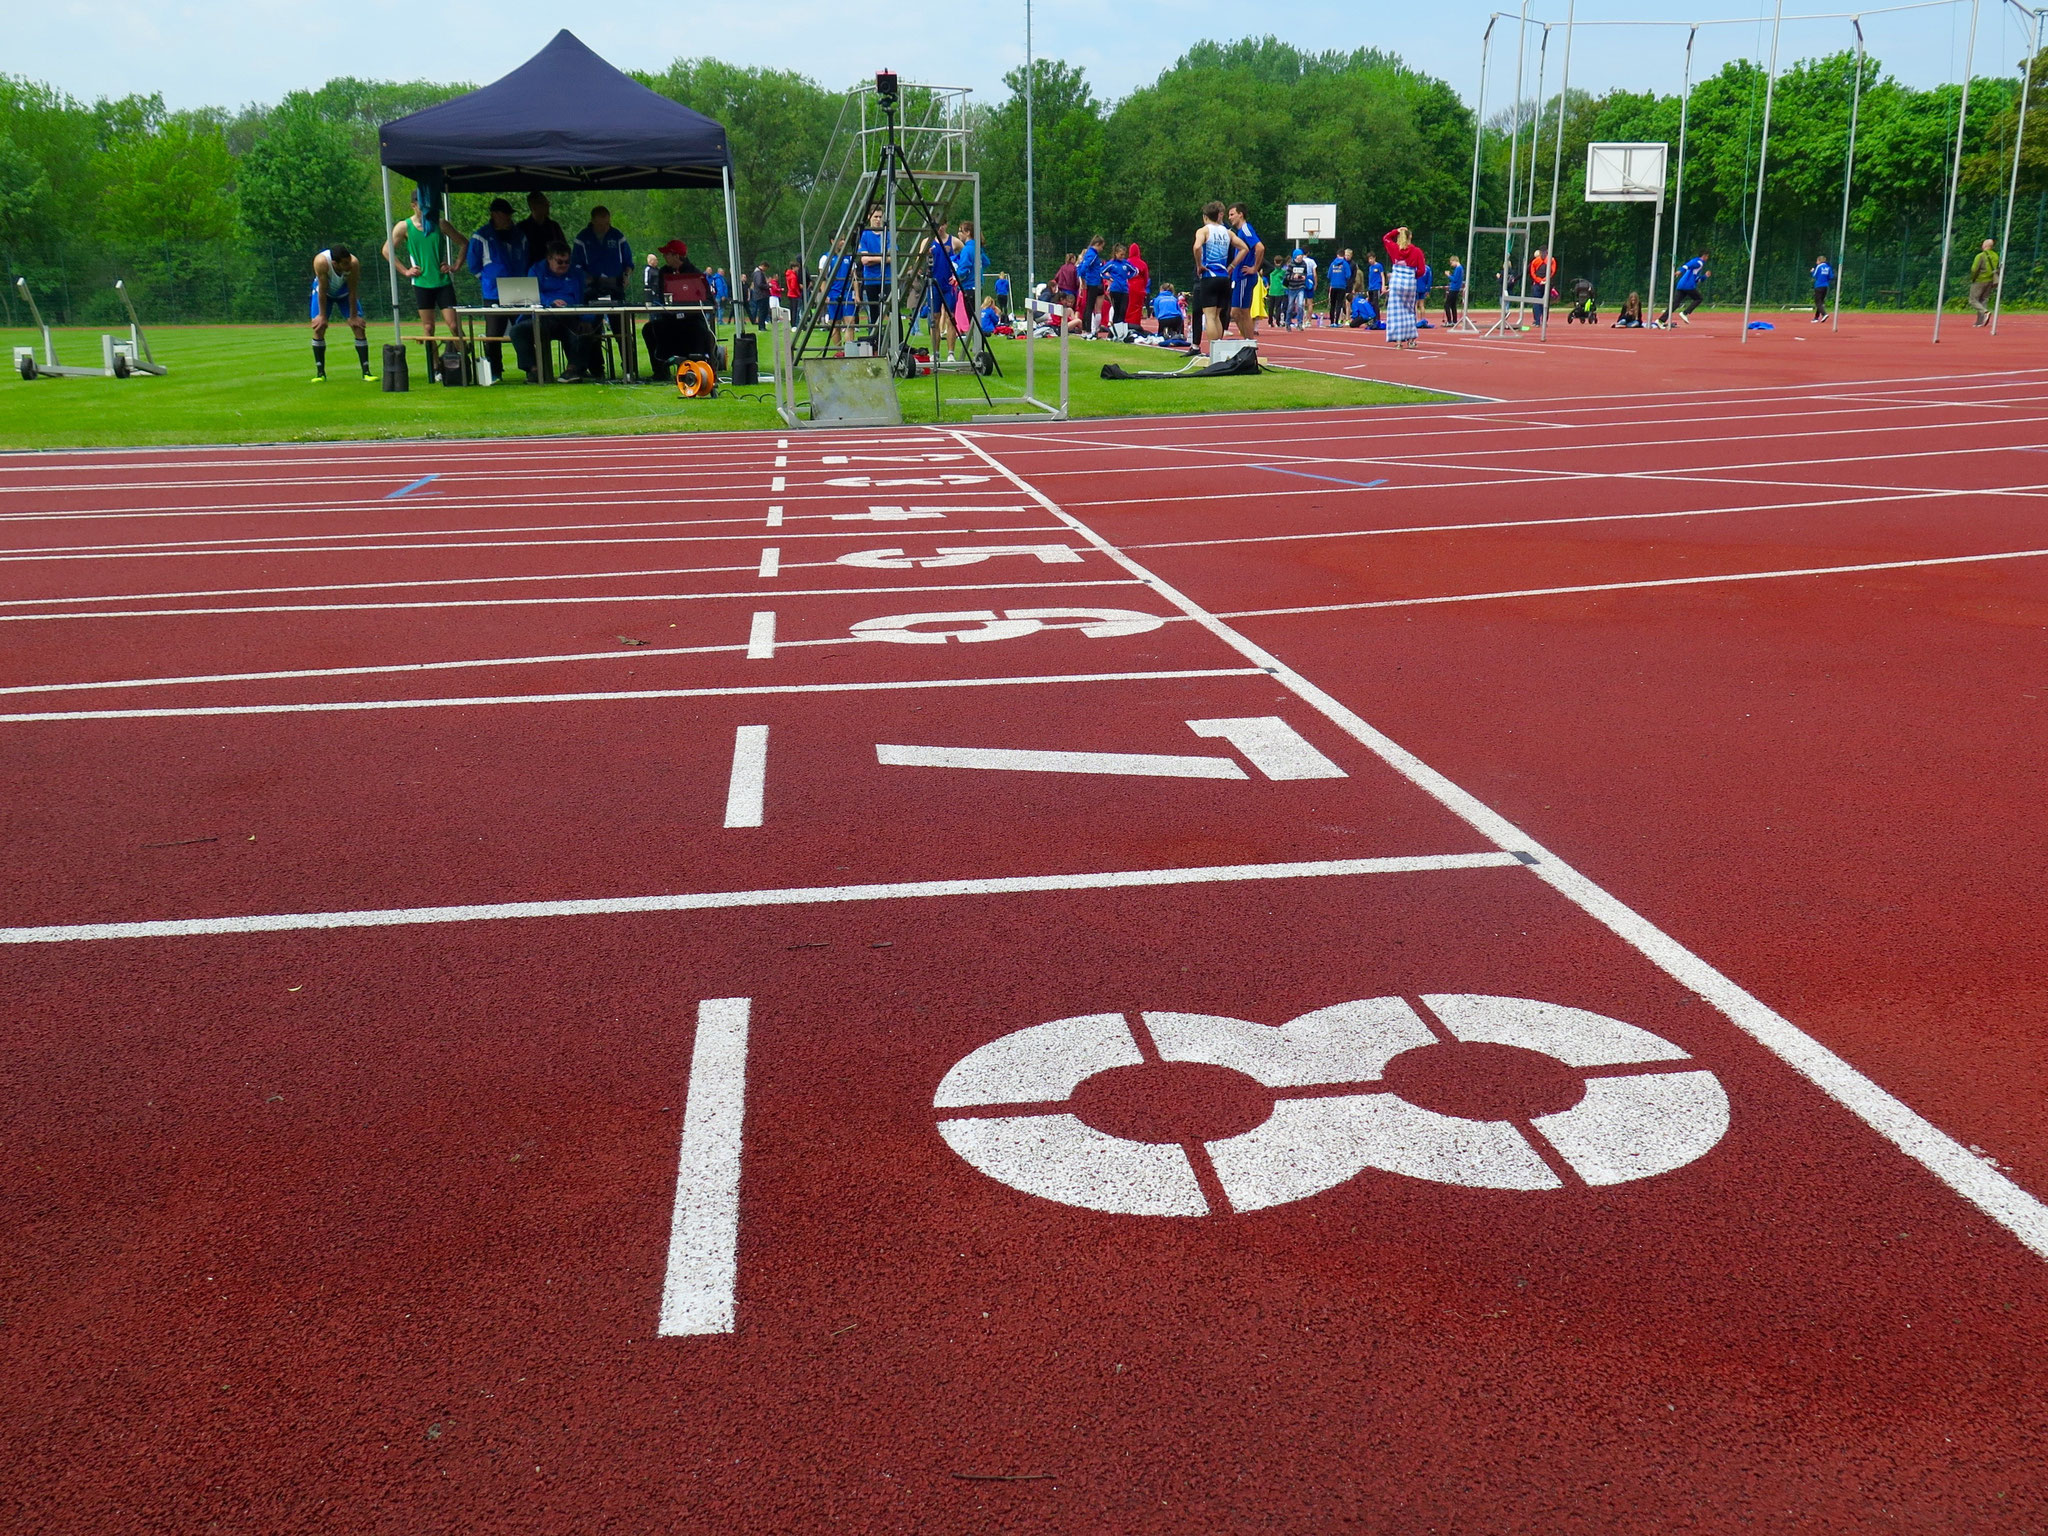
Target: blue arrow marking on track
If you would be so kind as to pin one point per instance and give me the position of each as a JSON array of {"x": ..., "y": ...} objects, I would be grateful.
[
  {"x": 406, "y": 490},
  {"x": 1304, "y": 474}
]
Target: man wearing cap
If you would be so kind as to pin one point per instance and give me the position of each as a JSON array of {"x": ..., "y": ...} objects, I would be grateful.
[
  {"x": 496, "y": 250},
  {"x": 686, "y": 333}
]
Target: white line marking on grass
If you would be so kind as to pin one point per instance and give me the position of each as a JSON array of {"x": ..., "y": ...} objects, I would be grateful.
[
  {"x": 622, "y": 695},
  {"x": 2015, "y": 1209},
  {"x": 746, "y": 791},
  {"x": 699, "y": 1295},
  {"x": 792, "y": 896},
  {"x": 1017, "y": 760},
  {"x": 771, "y": 562},
  {"x": 761, "y": 638}
]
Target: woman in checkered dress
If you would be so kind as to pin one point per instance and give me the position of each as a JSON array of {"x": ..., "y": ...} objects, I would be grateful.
[{"x": 1405, "y": 262}]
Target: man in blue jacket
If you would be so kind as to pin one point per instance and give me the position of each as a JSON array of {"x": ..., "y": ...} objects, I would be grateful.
[
  {"x": 1340, "y": 286},
  {"x": 1093, "y": 260},
  {"x": 497, "y": 250},
  {"x": 561, "y": 287},
  {"x": 1823, "y": 282},
  {"x": 603, "y": 255}
]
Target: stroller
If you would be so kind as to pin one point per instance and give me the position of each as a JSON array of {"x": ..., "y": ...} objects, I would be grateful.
[{"x": 1585, "y": 303}]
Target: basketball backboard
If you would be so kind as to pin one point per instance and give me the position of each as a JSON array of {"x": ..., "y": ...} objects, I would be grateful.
[
  {"x": 1625, "y": 173},
  {"x": 1311, "y": 221}
]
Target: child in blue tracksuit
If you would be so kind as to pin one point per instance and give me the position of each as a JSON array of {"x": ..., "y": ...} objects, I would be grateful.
[
  {"x": 1090, "y": 268},
  {"x": 1362, "y": 313},
  {"x": 1117, "y": 273},
  {"x": 1166, "y": 309}
]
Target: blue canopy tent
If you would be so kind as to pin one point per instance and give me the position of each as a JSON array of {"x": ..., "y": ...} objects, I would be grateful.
[{"x": 565, "y": 120}]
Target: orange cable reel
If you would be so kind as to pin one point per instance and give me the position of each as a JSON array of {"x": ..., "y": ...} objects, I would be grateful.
[{"x": 696, "y": 379}]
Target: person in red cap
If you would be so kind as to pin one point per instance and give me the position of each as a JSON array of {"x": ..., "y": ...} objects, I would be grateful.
[{"x": 671, "y": 337}]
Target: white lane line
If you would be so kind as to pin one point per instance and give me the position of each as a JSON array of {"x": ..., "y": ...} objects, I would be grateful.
[
  {"x": 1016, "y": 760},
  {"x": 761, "y": 638},
  {"x": 780, "y": 483},
  {"x": 2015, "y": 1209},
  {"x": 1734, "y": 509},
  {"x": 746, "y": 792},
  {"x": 350, "y": 706},
  {"x": 204, "y": 548},
  {"x": 1630, "y": 586},
  {"x": 699, "y": 1294},
  {"x": 771, "y": 562},
  {"x": 544, "y": 602},
  {"x": 1272, "y": 746},
  {"x": 792, "y": 896},
  {"x": 775, "y": 517}
]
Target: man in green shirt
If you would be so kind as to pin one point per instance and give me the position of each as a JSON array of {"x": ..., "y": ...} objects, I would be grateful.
[
  {"x": 1983, "y": 278},
  {"x": 416, "y": 249}
]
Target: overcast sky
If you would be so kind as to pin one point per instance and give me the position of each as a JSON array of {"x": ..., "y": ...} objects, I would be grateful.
[{"x": 230, "y": 52}]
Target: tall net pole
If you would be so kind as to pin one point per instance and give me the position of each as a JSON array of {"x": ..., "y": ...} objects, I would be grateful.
[
  {"x": 1848, "y": 175},
  {"x": 1564, "y": 85},
  {"x": 1478, "y": 139},
  {"x": 1955, "y": 173},
  {"x": 1763, "y": 155},
  {"x": 1678, "y": 194},
  {"x": 2012, "y": 191},
  {"x": 1030, "y": 224}
]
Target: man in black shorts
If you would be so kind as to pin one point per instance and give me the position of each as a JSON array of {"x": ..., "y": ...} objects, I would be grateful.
[{"x": 1218, "y": 252}]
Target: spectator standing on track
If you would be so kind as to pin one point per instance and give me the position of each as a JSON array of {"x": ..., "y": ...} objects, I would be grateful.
[
  {"x": 1686, "y": 280},
  {"x": 1823, "y": 280},
  {"x": 416, "y": 248},
  {"x": 1273, "y": 288},
  {"x": 1424, "y": 281},
  {"x": 1219, "y": 252},
  {"x": 1983, "y": 278},
  {"x": 1454, "y": 292},
  {"x": 1542, "y": 268},
  {"x": 337, "y": 295},
  {"x": 1294, "y": 280},
  {"x": 1340, "y": 286},
  {"x": 1405, "y": 262},
  {"x": 1308, "y": 293},
  {"x": 1244, "y": 272},
  {"x": 496, "y": 250}
]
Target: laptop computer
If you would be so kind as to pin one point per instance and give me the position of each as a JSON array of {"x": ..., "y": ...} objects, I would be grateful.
[{"x": 518, "y": 292}]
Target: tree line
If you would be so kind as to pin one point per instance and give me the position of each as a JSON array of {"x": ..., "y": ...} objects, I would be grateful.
[{"x": 214, "y": 213}]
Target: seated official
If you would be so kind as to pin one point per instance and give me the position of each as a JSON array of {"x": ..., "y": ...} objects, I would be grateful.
[
  {"x": 686, "y": 334},
  {"x": 603, "y": 255},
  {"x": 561, "y": 286}
]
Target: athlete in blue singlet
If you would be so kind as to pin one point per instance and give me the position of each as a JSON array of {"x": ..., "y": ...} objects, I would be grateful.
[{"x": 1244, "y": 274}]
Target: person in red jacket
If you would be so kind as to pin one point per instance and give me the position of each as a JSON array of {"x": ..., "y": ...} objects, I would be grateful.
[
  {"x": 1405, "y": 262},
  {"x": 1141, "y": 286},
  {"x": 793, "y": 294}
]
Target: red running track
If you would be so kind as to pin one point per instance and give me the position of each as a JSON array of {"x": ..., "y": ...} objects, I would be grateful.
[{"x": 1655, "y": 1136}]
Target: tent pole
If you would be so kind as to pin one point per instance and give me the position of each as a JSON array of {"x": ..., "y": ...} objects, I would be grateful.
[
  {"x": 1848, "y": 173},
  {"x": 1955, "y": 174},
  {"x": 392, "y": 264},
  {"x": 1763, "y": 154},
  {"x": 732, "y": 252},
  {"x": 1678, "y": 192},
  {"x": 2019, "y": 140}
]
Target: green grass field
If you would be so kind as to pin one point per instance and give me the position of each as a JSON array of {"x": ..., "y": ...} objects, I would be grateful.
[{"x": 251, "y": 384}]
